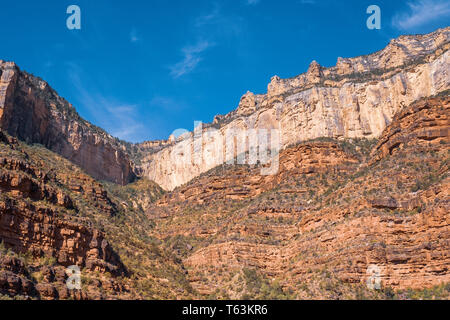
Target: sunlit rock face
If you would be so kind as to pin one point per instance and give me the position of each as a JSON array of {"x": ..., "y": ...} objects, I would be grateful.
[{"x": 356, "y": 98}]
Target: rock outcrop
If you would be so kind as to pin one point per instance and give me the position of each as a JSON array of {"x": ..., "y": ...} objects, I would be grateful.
[
  {"x": 334, "y": 211},
  {"x": 33, "y": 112},
  {"x": 42, "y": 230},
  {"x": 15, "y": 278},
  {"x": 425, "y": 121},
  {"x": 357, "y": 98},
  {"x": 54, "y": 215}
]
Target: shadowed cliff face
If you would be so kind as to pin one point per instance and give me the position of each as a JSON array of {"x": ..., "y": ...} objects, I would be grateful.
[
  {"x": 356, "y": 98},
  {"x": 33, "y": 112}
]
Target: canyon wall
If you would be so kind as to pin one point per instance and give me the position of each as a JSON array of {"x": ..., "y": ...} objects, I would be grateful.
[
  {"x": 340, "y": 206},
  {"x": 356, "y": 98},
  {"x": 33, "y": 112}
]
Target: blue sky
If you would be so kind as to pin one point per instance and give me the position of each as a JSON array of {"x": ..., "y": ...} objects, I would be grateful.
[{"x": 141, "y": 69}]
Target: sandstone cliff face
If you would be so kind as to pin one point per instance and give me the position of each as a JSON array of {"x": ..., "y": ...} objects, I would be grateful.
[
  {"x": 33, "y": 112},
  {"x": 424, "y": 121},
  {"x": 42, "y": 230},
  {"x": 356, "y": 98},
  {"x": 35, "y": 223},
  {"x": 333, "y": 211},
  {"x": 54, "y": 215},
  {"x": 28, "y": 228}
]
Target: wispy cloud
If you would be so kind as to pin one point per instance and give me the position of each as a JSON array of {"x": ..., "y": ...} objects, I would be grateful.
[
  {"x": 134, "y": 37},
  {"x": 421, "y": 12},
  {"x": 210, "y": 17},
  {"x": 252, "y": 2},
  {"x": 167, "y": 103},
  {"x": 123, "y": 123},
  {"x": 209, "y": 29},
  {"x": 119, "y": 119},
  {"x": 219, "y": 25},
  {"x": 192, "y": 57}
]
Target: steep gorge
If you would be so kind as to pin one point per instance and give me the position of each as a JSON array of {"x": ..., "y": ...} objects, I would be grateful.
[{"x": 362, "y": 181}]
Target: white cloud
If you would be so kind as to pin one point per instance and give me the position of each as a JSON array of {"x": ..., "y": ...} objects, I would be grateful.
[
  {"x": 421, "y": 12},
  {"x": 192, "y": 57}
]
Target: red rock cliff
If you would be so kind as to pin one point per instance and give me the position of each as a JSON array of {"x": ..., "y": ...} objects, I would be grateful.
[{"x": 33, "y": 112}]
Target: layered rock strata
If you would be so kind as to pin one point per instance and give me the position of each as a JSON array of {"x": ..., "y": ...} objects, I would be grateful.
[{"x": 356, "y": 98}]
